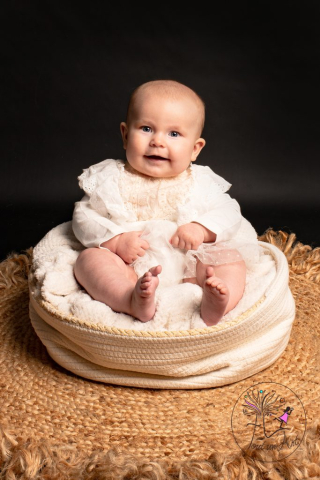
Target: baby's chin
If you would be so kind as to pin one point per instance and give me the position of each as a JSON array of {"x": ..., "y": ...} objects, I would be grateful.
[{"x": 154, "y": 166}]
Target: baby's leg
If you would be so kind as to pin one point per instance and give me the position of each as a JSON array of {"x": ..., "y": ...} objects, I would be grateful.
[
  {"x": 108, "y": 279},
  {"x": 223, "y": 287}
]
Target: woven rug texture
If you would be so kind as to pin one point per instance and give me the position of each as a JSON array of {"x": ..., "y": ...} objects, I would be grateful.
[{"x": 56, "y": 425}]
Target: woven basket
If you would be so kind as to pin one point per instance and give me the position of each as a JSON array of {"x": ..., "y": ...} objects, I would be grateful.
[{"x": 198, "y": 358}]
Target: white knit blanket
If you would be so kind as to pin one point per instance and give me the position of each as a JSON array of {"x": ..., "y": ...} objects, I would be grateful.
[
  {"x": 177, "y": 307},
  {"x": 88, "y": 338}
]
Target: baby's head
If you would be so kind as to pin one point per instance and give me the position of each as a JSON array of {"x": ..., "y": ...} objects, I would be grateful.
[{"x": 162, "y": 133}]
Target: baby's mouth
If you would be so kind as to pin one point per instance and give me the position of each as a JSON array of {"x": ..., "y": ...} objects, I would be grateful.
[{"x": 156, "y": 157}]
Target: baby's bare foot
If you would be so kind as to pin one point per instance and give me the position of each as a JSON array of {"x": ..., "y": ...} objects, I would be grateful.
[
  {"x": 215, "y": 298},
  {"x": 142, "y": 302}
]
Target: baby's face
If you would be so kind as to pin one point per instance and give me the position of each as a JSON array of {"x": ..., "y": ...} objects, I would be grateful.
[{"x": 161, "y": 138}]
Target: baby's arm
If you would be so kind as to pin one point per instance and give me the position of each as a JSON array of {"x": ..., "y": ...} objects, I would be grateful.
[
  {"x": 95, "y": 230},
  {"x": 129, "y": 246},
  {"x": 92, "y": 227},
  {"x": 191, "y": 235},
  {"x": 223, "y": 217},
  {"x": 218, "y": 223}
]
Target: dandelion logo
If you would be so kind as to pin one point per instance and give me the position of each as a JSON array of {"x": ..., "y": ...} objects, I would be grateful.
[{"x": 268, "y": 417}]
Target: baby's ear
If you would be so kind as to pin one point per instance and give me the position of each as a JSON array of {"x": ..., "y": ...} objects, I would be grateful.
[
  {"x": 197, "y": 147},
  {"x": 124, "y": 133}
]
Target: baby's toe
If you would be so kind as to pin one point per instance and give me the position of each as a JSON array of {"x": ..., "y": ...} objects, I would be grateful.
[
  {"x": 222, "y": 289},
  {"x": 146, "y": 282},
  {"x": 212, "y": 282},
  {"x": 146, "y": 278}
]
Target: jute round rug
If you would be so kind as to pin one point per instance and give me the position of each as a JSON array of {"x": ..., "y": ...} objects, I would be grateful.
[{"x": 55, "y": 425}]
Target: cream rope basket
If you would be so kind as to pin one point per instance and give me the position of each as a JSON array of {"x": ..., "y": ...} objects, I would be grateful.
[{"x": 183, "y": 359}]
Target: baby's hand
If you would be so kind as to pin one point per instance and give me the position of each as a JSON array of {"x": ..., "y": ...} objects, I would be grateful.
[
  {"x": 188, "y": 236},
  {"x": 130, "y": 246}
]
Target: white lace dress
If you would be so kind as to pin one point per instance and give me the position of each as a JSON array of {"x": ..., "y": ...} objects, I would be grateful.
[{"x": 119, "y": 199}]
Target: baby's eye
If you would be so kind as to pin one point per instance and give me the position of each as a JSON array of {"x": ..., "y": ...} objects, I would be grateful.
[
  {"x": 174, "y": 134},
  {"x": 144, "y": 128}
]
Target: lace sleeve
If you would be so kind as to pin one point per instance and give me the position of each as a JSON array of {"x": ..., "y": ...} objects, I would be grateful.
[
  {"x": 210, "y": 206},
  {"x": 100, "y": 215},
  {"x": 90, "y": 227},
  {"x": 223, "y": 217},
  {"x": 212, "y": 182},
  {"x": 93, "y": 176}
]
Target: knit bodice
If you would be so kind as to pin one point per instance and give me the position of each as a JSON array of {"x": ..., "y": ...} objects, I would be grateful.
[{"x": 151, "y": 198}]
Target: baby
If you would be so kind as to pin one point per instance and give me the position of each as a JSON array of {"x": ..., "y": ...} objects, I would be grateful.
[{"x": 158, "y": 216}]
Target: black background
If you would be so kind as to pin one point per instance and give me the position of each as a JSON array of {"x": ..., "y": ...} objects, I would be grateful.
[{"x": 68, "y": 69}]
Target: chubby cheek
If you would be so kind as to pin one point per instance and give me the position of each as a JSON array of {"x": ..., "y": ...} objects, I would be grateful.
[
  {"x": 136, "y": 145},
  {"x": 181, "y": 153}
]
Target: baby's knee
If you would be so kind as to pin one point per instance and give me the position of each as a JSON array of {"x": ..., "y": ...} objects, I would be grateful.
[
  {"x": 234, "y": 272},
  {"x": 84, "y": 262},
  {"x": 240, "y": 267},
  {"x": 233, "y": 261},
  {"x": 97, "y": 259},
  {"x": 85, "y": 256}
]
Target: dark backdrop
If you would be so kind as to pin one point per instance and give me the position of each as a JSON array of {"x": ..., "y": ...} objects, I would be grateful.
[{"x": 68, "y": 69}]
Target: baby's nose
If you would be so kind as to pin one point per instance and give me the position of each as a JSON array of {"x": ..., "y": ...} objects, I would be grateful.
[{"x": 157, "y": 140}]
